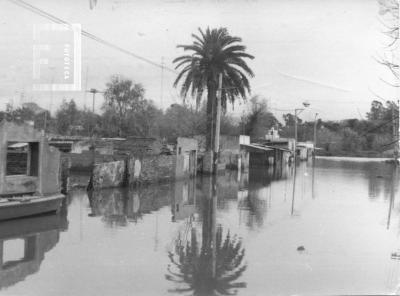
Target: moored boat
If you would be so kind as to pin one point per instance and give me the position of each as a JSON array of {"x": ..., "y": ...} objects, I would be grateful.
[{"x": 29, "y": 172}]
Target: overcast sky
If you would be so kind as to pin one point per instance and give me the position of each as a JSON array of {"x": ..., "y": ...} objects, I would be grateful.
[{"x": 321, "y": 51}]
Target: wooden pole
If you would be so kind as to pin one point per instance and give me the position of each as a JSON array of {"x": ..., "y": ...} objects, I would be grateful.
[
  {"x": 315, "y": 135},
  {"x": 217, "y": 124},
  {"x": 396, "y": 145}
]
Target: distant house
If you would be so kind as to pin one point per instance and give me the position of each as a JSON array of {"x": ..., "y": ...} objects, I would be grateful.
[
  {"x": 232, "y": 153},
  {"x": 304, "y": 150}
]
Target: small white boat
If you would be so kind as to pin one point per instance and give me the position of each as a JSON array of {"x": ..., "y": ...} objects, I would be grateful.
[{"x": 11, "y": 208}]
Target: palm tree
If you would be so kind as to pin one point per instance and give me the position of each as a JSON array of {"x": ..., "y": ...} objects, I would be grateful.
[
  {"x": 214, "y": 52},
  {"x": 212, "y": 266},
  {"x": 191, "y": 267}
]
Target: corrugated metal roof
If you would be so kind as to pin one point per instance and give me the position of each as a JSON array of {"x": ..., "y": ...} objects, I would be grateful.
[
  {"x": 257, "y": 147},
  {"x": 278, "y": 148}
]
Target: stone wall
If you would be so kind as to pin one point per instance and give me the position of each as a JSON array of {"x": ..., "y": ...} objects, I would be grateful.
[
  {"x": 84, "y": 161},
  {"x": 135, "y": 171},
  {"x": 138, "y": 147},
  {"x": 109, "y": 174},
  {"x": 152, "y": 169}
]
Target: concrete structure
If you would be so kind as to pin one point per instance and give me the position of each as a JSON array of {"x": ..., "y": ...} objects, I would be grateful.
[
  {"x": 285, "y": 143},
  {"x": 259, "y": 155},
  {"x": 138, "y": 146},
  {"x": 232, "y": 155},
  {"x": 304, "y": 150},
  {"x": 186, "y": 157},
  {"x": 39, "y": 168},
  {"x": 146, "y": 169},
  {"x": 109, "y": 174},
  {"x": 272, "y": 134}
]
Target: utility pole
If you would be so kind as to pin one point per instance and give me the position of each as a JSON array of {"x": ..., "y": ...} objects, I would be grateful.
[
  {"x": 394, "y": 133},
  {"x": 162, "y": 83},
  {"x": 315, "y": 135},
  {"x": 51, "y": 98},
  {"x": 296, "y": 111},
  {"x": 94, "y": 92},
  {"x": 397, "y": 139},
  {"x": 295, "y": 131},
  {"x": 217, "y": 124},
  {"x": 294, "y": 158}
]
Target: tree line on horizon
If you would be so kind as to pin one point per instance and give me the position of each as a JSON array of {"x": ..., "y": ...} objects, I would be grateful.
[{"x": 137, "y": 116}]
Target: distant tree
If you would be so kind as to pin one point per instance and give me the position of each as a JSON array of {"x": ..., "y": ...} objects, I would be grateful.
[
  {"x": 181, "y": 120},
  {"x": 28, "y": 112},
  {"x": 351, "y": 141},
  {"x": 214, "y": 52},
  {"x": 145, "y": 120},
  {"x": 67, "y": 116},
  {"x": 258, "y": 120},
  {"x": 389, "y": 11},
  {"x": 377, "y": 111},
  {"x": 123, "y": 96},
  {"x": 109, "y": 124},
  {"x": 289, "y": 119},
  {"x": 229, "y": 125}
]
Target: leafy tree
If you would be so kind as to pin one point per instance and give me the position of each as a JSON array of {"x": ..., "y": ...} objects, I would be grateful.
[
  {"x": 28, "y": 112},
  {"x": 214, "y": 52},
  {"x": 377, "y": 111},
  {"x": 144, "y": 121},
  {"x": 289, "y": 119},
  {"x": 123, "y": 96},
  {"x": 67, "y": 116},
  {"x": 258, "y": 120},
  {"x": 181, "y": 120}
]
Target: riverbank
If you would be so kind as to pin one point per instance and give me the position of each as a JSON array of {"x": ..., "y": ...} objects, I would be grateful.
[{"x": 357, "y": 159}]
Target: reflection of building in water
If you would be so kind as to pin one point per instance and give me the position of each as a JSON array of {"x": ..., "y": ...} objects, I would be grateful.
[
  {"x": 23, "y": 244},
  {"x": 183, "y": 202},
  {"x": 252, "y": 206},
  {"x": 110, "y": 205},
  {"x": 255, "y": 193},
  {"x": 118, "y": 206}
]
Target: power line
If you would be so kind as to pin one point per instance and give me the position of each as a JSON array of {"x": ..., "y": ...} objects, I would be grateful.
[
  {"x": 55, "y": 19},
  {"x": 379, "y": 126}
]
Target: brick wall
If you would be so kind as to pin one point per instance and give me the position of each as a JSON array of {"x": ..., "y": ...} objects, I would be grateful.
[
  {"x": 138, "y": 147},
  {"x": 84, "y": 161},
  {"x": 156, "y": 169}
]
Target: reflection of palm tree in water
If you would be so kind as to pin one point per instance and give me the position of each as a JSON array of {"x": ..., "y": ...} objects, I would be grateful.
[{"x": 213, "y": 267}]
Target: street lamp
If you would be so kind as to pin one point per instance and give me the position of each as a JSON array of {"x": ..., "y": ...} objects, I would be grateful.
[{"x": 297, "y": 111}]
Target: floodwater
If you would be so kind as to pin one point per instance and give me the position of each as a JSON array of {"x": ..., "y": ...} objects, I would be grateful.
[{"x": 246, "y": 234}]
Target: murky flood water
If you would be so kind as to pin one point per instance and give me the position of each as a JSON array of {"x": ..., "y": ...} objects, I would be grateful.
[{"x": 247, "y": 233}]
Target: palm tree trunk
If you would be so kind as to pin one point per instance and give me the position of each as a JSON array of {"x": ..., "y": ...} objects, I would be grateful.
[{"x": 211, "y": 114}]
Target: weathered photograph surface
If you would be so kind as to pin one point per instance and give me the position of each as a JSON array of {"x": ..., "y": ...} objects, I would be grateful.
[{"x": 205, "y": 148}]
